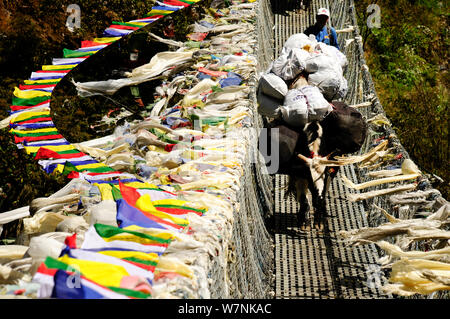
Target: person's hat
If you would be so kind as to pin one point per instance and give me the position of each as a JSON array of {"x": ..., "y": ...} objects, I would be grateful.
[{"x": 323, "y": 11}]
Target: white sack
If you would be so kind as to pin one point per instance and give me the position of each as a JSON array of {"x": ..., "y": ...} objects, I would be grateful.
[
  {"x": 299, "y": 40},
  {"x": 290, "y": 64},
  {"x": 272, "y": 85},
  {"x": 333, "y": 52},
  {"x": 304, "y": 105},
  {"x": 295, "y": 110},
  {"x": 41, "y": 247},
  {"x": 268, "y": 106},
  {"x": 74, "y": 224},
  {"x": 332, "y": 84}
]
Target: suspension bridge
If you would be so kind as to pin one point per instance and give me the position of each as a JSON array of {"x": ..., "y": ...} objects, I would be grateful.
[{"x": 266, "y": 255}]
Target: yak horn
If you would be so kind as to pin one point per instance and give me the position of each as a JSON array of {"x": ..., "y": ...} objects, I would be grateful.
[
  {"x": 342, "y": 160},
  {"x": 304, "y": 158}
]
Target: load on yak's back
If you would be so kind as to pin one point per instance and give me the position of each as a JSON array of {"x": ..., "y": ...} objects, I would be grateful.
[{"x": 321, "y": 65}]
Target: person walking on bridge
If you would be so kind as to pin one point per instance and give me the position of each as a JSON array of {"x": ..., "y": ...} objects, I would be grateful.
[{"x": 321, "y": 30}]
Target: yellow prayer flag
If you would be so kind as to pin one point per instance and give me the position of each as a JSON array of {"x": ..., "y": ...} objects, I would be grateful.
[{"x": 24, "y": 94}]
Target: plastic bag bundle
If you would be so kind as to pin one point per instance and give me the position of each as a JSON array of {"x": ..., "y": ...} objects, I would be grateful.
[
  {"x": 332, "y": 84},
  {"x": 268, "y": 106},
  {"x": 290, "y": 63},
  {"x": 332, "y": 52},
  {"x": 272, "y": 85},
  {"x": 300, "y": 41},
  {"x": 320, "y": 62},
  {"x": 304, "y": 105},
  {"x": 295, "y": 110},
  {"x": 103, "y": 213},
  {"x": 325, "y": 71},
  {"x": 318, "y": 106},
  {"x": 270, "y": 94}
]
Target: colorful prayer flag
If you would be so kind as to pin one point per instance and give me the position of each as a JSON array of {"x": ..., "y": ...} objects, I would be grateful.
[{"x": 104, "y": 236}]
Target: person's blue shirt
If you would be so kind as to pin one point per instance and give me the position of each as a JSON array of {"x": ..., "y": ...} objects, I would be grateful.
[{"x": 322, "y": 35}]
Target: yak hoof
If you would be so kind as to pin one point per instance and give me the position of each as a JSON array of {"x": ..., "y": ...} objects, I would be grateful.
[
  {"x": 319, "y": 226},
  {"x": 305, "y": 227}
]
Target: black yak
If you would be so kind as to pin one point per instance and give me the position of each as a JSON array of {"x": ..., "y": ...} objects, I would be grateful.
[{"x": 342, "y": 131}]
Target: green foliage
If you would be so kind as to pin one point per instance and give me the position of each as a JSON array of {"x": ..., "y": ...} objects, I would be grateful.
[
  {"x": 21, "y": 181},
  {"x": 408, "y": 59},
  {"x": 21, "y": 178},
  {"x": 32, "y": 33}
]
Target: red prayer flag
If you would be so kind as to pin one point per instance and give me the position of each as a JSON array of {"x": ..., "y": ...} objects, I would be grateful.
[
  {"x": 73, "y": 174},
  {"x": 36, "y": 138},
  {"x": 169, "y": 147},
  {"x": 212, "y": 73},
  {"x": 176, "y": 3},
  {"x": 155, "y": 17},
  {"x": 129, "y": 194},
  {"x": 122, "y": 27},
  {"x": 39, "y": 86},
  {"x": 52, "y": 71},
  {"x": 71, "y": 241},
  {"x": 45, "y": 153},
  {"x": 86, "y": 44},
  {"x": 197, "y": 36}
]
